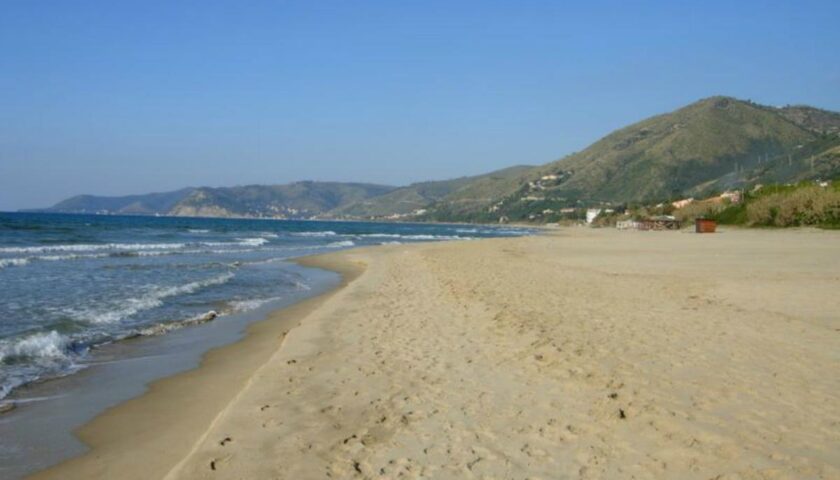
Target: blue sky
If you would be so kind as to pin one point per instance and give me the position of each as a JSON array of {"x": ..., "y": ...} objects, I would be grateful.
[{"x": 129, "y": 97}]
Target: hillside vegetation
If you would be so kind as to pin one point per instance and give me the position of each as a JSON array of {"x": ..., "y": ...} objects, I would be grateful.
[
  {"x": 294, "y": 200},
  {"x": 710, "y": 146},
  {"x": 477, "y": 190},
  {"x": 147, "y": 204},
  {"x": 802, "y": 204}
]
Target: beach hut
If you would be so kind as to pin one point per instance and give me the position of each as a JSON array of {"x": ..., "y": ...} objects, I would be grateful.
[{"x": 704, "y": 225}]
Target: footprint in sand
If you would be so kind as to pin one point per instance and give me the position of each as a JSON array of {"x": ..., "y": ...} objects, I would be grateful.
[{"x": 218, "y": 463}]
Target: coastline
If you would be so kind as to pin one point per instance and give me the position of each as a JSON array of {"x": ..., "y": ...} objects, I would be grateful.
[
  {"x": 578, "y": 353},
  {"x": 157, "y": 423}
]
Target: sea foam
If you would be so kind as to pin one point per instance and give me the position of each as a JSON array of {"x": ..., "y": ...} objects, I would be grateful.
[
  {"x": 40, "y": 345},
  {"x": 325, "y": 233},
  {"x": 126, "y": 308},
  {"x": 90, "y": 247}
]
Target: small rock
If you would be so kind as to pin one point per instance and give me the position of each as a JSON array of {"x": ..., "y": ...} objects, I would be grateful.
[{"x": 7, "y": 407}]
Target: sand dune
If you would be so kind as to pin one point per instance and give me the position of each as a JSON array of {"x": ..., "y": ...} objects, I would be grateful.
[{"x": 576, "y": 354}]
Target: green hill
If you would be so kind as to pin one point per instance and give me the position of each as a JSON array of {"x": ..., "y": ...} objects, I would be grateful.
[
  {"x": 714, "y": 144},
  {"x": 406, "y": 200},
  {"x": 294, "y": 200},
  {"x": 709, "y": 146},
  {"x": 147, "y": 204}
]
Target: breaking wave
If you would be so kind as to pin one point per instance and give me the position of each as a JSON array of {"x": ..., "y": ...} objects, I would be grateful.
[
  {"x": 13, "y": 262},
  {"x": 325, "y": 233},
  {"x": 91, "y": 247},
  {"x": 341, "y": 244},
  {"x": 132, "y": 306}
]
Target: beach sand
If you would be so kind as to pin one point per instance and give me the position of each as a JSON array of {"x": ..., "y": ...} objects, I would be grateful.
[{"x": 581, "y": 353}]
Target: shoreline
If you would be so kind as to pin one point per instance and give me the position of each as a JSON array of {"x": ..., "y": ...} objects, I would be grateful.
[
  {"x": 583, "y": 353},
  {"x": 208, "y": 388}
]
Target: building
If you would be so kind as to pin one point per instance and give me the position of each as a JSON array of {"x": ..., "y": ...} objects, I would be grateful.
[
  {"x": 592, "y": 214},
  {"x": 682, "y": 203},
  {"x": 733, "y": 196},
  {"x": 661, "y": 222}
]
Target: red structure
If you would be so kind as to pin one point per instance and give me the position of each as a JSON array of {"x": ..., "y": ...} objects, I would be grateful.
[{"x": 704, "y": 225}]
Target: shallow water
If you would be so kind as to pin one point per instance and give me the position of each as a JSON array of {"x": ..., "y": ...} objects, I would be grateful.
[
  {"x": 69, "y": 283},
  {"x": 74, "y": 288}
]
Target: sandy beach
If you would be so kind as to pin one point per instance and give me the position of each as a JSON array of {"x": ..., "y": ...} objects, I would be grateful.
[{"x": 578, "y": 353}]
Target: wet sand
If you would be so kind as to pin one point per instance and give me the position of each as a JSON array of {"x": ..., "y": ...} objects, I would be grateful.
[{"x": 576, "y": 354}]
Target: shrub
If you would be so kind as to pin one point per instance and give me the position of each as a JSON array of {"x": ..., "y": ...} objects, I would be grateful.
[{"x": 805, "y": 205}]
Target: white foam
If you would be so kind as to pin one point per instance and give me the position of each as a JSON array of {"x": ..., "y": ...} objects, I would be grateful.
[
  {"x": 13, "y": 262},
  {"x": 161, "y": 328},
  {"x": 40, "y": 345},
  {"x": 252, "y": 242},
  {"x": 198, "y": 230},
  {"x": 341, "y": 244},
  {"x": 325, "y": 233},
  {"x": 74, "y": 256},
  {"x": 82, "y": 247},
  {"x": 243, "y": 242},
  {"x": 267, "y": 261},
  {"x": 154, "y": 299},
  {"x": 413, "y": 237},
  {"x": 252, "y": 304}
]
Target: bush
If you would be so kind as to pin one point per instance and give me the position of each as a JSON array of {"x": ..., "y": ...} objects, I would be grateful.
[{"x": 805, "y": 205}]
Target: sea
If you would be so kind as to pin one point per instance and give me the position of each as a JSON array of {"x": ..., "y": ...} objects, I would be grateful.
[
  {"x": 70, "y": 283},
  {"x": 78, "y": 291}
]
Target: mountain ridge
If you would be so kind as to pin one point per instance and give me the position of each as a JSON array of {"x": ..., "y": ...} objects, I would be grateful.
[{"x": 710, "y": 145}]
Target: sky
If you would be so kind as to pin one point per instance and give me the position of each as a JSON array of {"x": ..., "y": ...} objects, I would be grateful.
[{"x": 114, "y": 98}]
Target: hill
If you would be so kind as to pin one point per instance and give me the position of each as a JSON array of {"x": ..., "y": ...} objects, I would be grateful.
[
  {"x": 417, "y": 196},
  {"x": 294, "y": 200},
  {"x": 147, "y": 204},
  {"x": 711, "y": 145}
]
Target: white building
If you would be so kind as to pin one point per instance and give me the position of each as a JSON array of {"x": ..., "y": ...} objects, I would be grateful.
[{"x": 592, "y": 214}]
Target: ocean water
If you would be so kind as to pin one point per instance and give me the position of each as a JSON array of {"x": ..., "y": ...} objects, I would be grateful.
[{"x": 70, "y": 284}]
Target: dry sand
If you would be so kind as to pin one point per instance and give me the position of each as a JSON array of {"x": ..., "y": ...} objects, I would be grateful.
[{"x": 577, "y": 354}]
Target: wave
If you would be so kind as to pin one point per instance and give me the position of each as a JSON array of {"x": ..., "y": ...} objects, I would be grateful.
[
  {"x": 5, "y": 262},
  {"x": 29, "y": 358},
  {"x": 161, "y": 328},
  {"x": 325, "y": 233},
  {"x": 343, "y": 243},
  {"x": 243, "y": 242},
  {"x": 252, "y": 242},
  {"x": 13, "y": 262},
  {"x": 75, "y": 256},
  {"x": 51, "y": 345},
  {"x": 239, "y": 306},
  {"x": 413, "y": 237},
  {"x": 132, "y": 306},
  {"x": 198, "y": 230},
  {"x": 139, "y": 247},
  {"x": 91, "y": 247}
]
